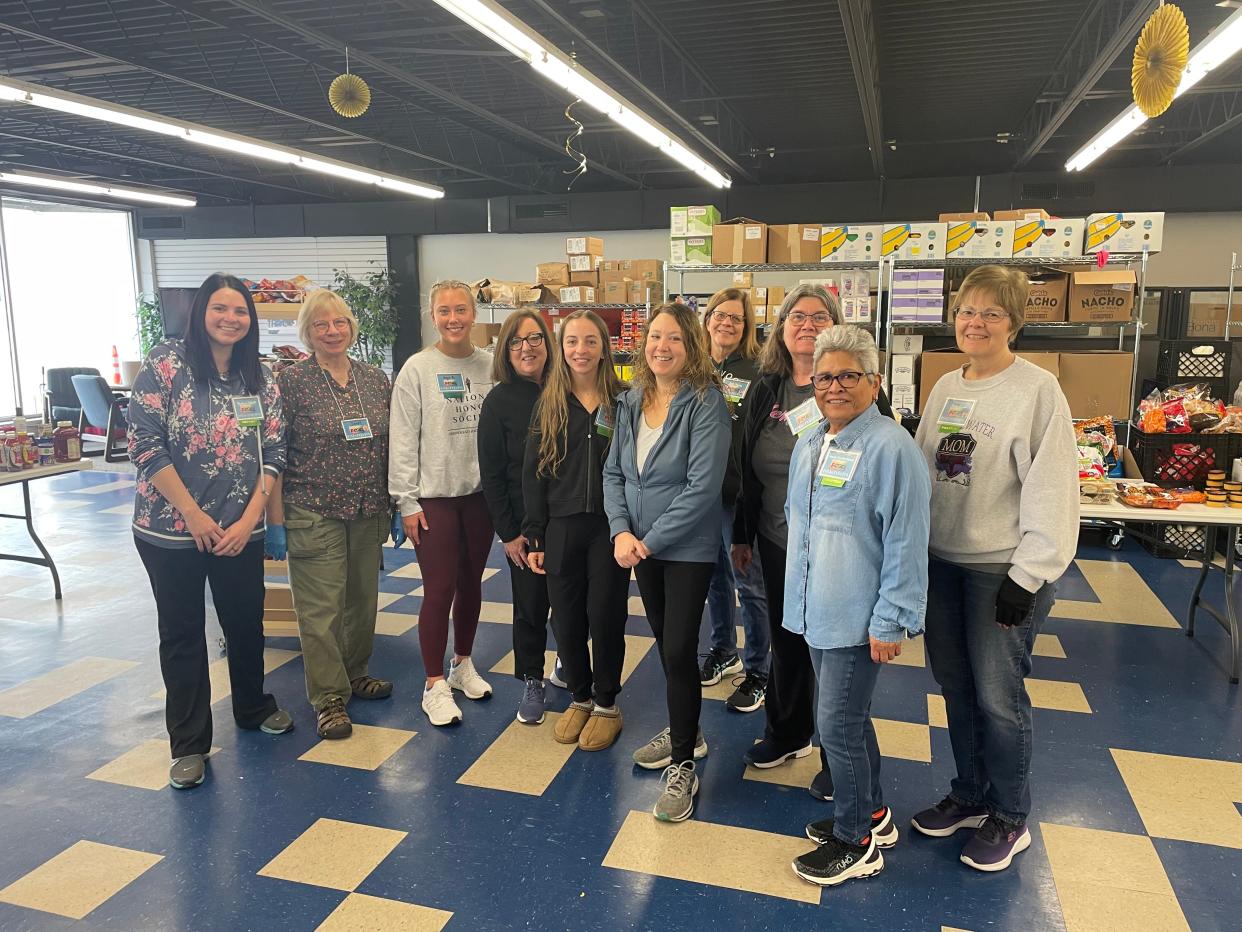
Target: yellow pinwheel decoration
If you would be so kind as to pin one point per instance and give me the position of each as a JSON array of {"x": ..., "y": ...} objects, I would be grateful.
[{"x": 1159, "y": 59}]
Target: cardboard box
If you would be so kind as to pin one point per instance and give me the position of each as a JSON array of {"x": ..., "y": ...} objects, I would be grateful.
[
  {"x": 902, "y": 397},
  {"x": 907, "y": 343},
  {"x": 636, "y": 269},
  {"x": 694, "y": 250},
  {"x": 1105, "y": 296},
  {"x": 641, "y": 292},
  {"x": 484, "y": 335},
  {"x": 590, "y": 279},
  {"x": 552, "y": 273},
  {"x": 1097, "y": 384},
  {"x": 692, "y": 221},
  {"x": 584, "y": 246},
  {"x": 935, "y": 363},
  {"x": 1124, "y": 232},
  {"x": 903, "y": 369},
  {"x": 914, "y": 240},
  {"x": 1207, "y": 321},
  {"x": 740, "y": 241},
  {"x": 969, "y": 215},
  {"x": 616, "y": 292},
  {"x": 584, "y": 263},
  {"x": 1046, "y": 302},
  {"x": 854, "y": 243},
  {"x": 979, "y": 239},
  {"x": 905, "y": 308},
  {"x": 793, "y": 243},
  {"x": 1048, "y": 239},
  {"x": 577, "y": 294},
  {"x": 743, "y": 279},
  {"x": 494, "y": 291},
  {"x": 1024, "y": 213}
]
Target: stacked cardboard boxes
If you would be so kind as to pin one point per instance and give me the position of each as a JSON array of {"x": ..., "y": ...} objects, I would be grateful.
[
  {"x": 631, "y": 281},
  {"x": 766, "y": 301},
  {"x": 918, "y": 296},
  {"x": 690, "y": 234}
]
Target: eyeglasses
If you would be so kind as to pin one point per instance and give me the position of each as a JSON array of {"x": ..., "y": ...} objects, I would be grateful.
[
  {"x": 720, "y": 317},
  {"x": 990, "y": 316},
  {"x": 797, "y": 318},
  {"x": 823, "y": 380},
  {"x": 323, "y": 326},
  {"x": 531, "y": 339}
]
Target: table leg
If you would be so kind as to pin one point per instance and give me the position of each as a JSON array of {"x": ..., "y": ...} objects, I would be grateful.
[
  {"x": 30, "y": 529},
  {"x": 1209, "y": 551},
  {"x": 1230, "y": 612}
]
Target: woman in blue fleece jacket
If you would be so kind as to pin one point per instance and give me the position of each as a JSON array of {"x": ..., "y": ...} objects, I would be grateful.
[{"x": 662, "y": 480}]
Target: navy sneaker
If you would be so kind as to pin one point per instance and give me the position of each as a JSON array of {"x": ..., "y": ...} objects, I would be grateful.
[
  {"x": 883, "y": 829},
  {"x": 765, "y": 754},
  {"x": 947, "y": 816},
  {"x": 717, "y": 665},
  {"x": 993, "y": 846},
  {"x": 530, "y": 710},
  {"x": 836, "y": 861}
]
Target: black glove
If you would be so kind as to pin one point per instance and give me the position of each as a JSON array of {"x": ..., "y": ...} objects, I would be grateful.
[{"x": 1013, "y": 604}]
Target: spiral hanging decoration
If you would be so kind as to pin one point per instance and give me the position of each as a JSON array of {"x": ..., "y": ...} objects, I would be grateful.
[
  {"x": 1159, "y": 59},
  {"x": 348, "y": 94},
  {"x": 575, "y": 154}
]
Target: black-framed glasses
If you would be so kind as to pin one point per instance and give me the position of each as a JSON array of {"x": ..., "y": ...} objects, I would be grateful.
[
  {"x": 531, "y": 339},
  {"x": 720, "y": 317},
  {"x": 990, "y": 316},
  {"x": 848, "y": 379}
]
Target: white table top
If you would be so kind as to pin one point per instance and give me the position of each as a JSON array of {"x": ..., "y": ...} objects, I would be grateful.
[
  {"x": 1184, "y": 514},
  {"x": 40, "y": 472}
]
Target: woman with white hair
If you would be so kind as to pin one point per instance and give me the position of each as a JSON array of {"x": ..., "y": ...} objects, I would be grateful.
[
  {"x": 858, "y": 512},
  {"x": 331, "y": 508}
]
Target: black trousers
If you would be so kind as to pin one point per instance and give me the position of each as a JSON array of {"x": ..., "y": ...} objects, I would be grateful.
[
  {"x": 674, "y": 594},
  {"x": 530, "y": 621},
  {"x": 790, "y": 701},
  {"x": 177, "y": 580},
  {"x": 588, "y": 594}
]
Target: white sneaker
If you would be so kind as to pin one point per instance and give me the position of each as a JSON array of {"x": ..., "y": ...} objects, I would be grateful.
[
  {"x": 439, "y": 705},
  {"x": 465, "y": 677}
]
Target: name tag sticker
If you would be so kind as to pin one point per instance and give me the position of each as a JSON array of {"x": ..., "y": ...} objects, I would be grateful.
[
  {"x": 605, "y": 420},
  {"x": 955, "y": 414},
  {"x": 452, "y": 386},
  {"x": 248, "y": 410},
  {"x": 356, "y": 428},
  {"x": 803, "y": 417},
  {"x": 839, "y": 467},
  {"x": 735, "y": 389}
]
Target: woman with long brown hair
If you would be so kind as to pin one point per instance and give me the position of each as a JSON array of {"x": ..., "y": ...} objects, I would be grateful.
[
  {"x": 567, "y": 530},
  {"x": 663, "y": 474}
]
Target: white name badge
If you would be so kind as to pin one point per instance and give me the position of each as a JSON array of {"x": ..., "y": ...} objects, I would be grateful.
[
  {"x": 735, "y": 389},
  {"x": 803, "y": 417},
  {"x": 248, "y": 410},
  {"x": 839, "y": 467},
  {"x": 356, "y": 428},
  {"x": 955, "y": 415}
]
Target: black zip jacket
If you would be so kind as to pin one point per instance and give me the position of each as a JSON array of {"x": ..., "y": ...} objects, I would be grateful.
[
  {"x": 739, "y": 367},
  {"x": 755, "y": 409},
  {"x": 578, "y": 486},
  {"x": 504, "y": 425}
]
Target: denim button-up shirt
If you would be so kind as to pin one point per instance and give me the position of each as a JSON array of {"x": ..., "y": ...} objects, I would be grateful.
[{"x": 858, "y": 553}]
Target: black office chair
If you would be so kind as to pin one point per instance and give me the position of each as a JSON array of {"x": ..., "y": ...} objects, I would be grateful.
[
  {"x": 60, "y": 401},
  {"x": 103, "y": 417}
]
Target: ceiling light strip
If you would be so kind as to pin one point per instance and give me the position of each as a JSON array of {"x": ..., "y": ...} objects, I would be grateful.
[{"x": 102, "y": 190}]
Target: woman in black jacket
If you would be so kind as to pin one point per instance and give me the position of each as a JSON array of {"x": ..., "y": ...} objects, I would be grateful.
[
  {"x": 782, "y": 399},
  {"x": 567, "y": 530},
  {"x": 519, "y": 369}
]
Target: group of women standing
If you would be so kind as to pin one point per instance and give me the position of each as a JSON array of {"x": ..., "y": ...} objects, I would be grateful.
[{"x": 823, "y": 515}]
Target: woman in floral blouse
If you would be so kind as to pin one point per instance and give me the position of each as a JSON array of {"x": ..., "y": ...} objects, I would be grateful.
[
  {"x": 207, "y": 441},
  {"x": 331, "y": 506}
]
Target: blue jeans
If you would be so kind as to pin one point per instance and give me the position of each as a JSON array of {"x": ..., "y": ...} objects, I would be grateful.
[
  {"x": 981, "y": 668},
  {"x": 846, "y": 678},
  {"x": 749, "y": 586}
]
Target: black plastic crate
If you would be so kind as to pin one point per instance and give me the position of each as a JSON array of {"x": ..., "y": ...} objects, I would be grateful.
[
  {"x": 1163, "y": 462},
  {"x": 1176, "y": 541},
  {"x": 1193, "y": 360}
]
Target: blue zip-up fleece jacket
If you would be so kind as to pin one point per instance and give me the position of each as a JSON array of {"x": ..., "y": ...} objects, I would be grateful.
[{"x": 668, "y": 507}]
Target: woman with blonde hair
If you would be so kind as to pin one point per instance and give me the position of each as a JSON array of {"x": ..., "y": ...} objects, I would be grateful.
[
  {"x": 520, "y": 369},
  {"x": 330, "y": 509},
  {"x": 568, "y": 530},
  {"x": 433, "y": 473},
  {"x": 664, "y": 473}
]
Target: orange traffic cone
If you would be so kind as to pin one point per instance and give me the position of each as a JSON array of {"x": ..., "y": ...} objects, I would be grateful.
[{"x": 116, "y": 366}]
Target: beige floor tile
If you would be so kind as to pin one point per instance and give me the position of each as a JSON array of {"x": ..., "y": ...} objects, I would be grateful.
[
  {"x": 218, "y": 672},
  {"x": 952, "y": 929},
  {"x": 1196, "y": 564},
  {"x": 409, "y": 571},
  {"x": 913, "y": 653},
  {"x": 904, "y": 740},
  {"x": 144, "y": 767},
  {"x": 1105, "y": 880},
  {"x": 1048, "y": 645},
  {"x": 79, "y": 879},
  {"x": 42, "y": 692},
  {"x": 506, "y": 664},
  {"x": 797, "y": 773},
  {"x": 361, "y": 913},
  {"x": 394, "y": 624},
  {"x": 937, "y": 716},
  {"x": 524, "y": 759},
  {"x": 498, "y": 613},
  {"x": 1125, "y": 598},
  {"x": 387, "y": 598},
  {"x": 366, "y": 749},
  {"x": 1185, "y": 798},
  {"x": 337, "y": 855},
  {"x": 1057, "y": 695},
  {"x": 742, "y": 858},
  {"x": 636, "y": 608},
  {"x": 636, "y": 648},
  {"x": 722, "y": 690}
]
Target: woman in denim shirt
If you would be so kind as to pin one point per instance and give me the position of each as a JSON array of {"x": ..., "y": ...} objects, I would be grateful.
[
  {"x": 858, "y": 511},
  {"x": 203, "y": 480}
]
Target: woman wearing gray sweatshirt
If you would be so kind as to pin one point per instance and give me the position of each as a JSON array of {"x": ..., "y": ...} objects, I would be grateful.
[{"x": 1000, "y": 445}]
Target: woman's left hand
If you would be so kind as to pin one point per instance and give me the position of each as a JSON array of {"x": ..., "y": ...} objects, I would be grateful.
[
  {"x": 884, "y": 651},
  {"x": 236, "y": 537}
]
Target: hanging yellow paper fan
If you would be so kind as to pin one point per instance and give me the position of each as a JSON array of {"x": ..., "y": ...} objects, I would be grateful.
[
  {"x": 349, "y": 95},
  {"x": 1159, "y": 60}
]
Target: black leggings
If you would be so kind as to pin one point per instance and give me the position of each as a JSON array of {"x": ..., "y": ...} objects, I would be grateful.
[{"x": 674, "y": 594}]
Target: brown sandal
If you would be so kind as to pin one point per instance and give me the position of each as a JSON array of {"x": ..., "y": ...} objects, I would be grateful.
[
  {"x": 333, "y": 721},
  {"x": 368, "y": 687}
]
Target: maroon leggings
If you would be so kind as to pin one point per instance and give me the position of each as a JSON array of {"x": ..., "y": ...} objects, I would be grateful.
[{"x": 452, "y": 555}]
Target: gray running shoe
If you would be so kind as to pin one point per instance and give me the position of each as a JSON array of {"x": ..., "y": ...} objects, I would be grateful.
[
  {"x": 187, "y": 771},
  {"x": 658, "y": 752},
  {"x": 676, "y": 802}
]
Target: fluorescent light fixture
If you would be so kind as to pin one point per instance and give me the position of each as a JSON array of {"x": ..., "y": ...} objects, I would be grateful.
[
  {"x": 1220, "y": 45},
  {"x": 21, "y": 92},
  {"x": 510, "y": 33},
  {"x": 82, "y": 187}
]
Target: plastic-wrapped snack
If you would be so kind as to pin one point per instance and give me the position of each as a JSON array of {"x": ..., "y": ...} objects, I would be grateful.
[
  {"x": 1091, "y": 462},
  {"x": 1231, "y": 423},
  {"x": 1176, "y": 418},
  {"x": 1151, "y": 418}
]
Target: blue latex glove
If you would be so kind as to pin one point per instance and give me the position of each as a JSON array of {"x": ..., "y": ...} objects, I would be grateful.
[
  {"x": 275, "y": 544},
  {"x": 398, "y": 530}
]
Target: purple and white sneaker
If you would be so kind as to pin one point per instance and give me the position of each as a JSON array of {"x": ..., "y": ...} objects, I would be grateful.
[
  {"x": 994, "y": 845},
  {"x": 947, "y": 816}
]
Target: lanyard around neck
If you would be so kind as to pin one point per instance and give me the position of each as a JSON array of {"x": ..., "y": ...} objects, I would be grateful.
[{"x": 332, "y": 390}]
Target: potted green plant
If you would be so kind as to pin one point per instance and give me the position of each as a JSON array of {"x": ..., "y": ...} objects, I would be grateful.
[
  {"x": 372, "y": 298},
  {"x": 150, "y": 322}
]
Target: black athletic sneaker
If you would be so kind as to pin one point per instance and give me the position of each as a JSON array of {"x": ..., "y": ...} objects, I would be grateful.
[
  {"x": 749, "y": 693},
  {"x": 883, "y": 830},
  {"x": 835, "y": 862},
  {"x": 717, "y": 665}
]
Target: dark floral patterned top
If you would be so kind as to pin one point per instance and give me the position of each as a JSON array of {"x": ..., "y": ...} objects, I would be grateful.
[
  {"x": 327, "y": 474},
  {"x": 191, "y": 426}
]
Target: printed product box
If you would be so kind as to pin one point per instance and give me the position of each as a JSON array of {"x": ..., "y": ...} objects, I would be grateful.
[
  {"x": 740, "y": 241},
  {"x": 849, "y": 310},
  {"x": 857, "y": 243},
  {"x": 584, "y": 246},
  {"x": 552, "y": 273},
  {"x": 968, "y": 215},
  {"x": 743, "y": 279},
  {"x": 584, "y": 263},
  {"x": 1105, "y": 296},
  {"x": 903, "y": 369},
  {"x": 694, "y": 250},
  {"x": 793, "y": 243},
  {"x": 863, "y": 304},
  {"x": 1024, "y": 213},
  {"x": 1048, "y": 239},
  {"x": 692, "y": 221},
  {"x": 1124, "y": 232},
  {"x": 907, "y": 343},
  {"x": 905, "y": 308},
  {"x": 856, "y": 284},
  {"x": 902, "y": 397},
  {"x": 1046, "y": 301},
  {"x": 914, "y": 240},
  {"x": 577, "y": 294},
  {"x": 980, "y": 239}
]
